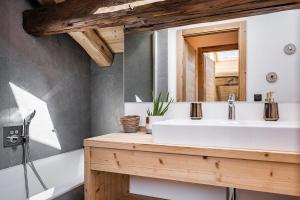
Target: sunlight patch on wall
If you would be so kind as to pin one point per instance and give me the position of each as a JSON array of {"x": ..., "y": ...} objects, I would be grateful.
[
  {"x": 41, "y": 128},
  {"x": 138, "y": 99}
]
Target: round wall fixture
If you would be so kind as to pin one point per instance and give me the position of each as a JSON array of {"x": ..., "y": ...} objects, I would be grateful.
[
  {"x": 271, "y": 77},
  {"x": 290, "y": 49}
]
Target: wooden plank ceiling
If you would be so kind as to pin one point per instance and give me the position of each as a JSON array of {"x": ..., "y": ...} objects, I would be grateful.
[{"x": 99, "y": 43}]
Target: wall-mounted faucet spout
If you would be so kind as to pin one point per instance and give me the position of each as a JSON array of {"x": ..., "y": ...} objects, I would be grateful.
[{"x": 231, "y": 106}]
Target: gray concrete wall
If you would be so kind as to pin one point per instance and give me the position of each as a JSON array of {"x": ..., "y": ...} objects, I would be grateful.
[
  {"x": 54, "y": 69},
  {"x": 107, "y": 97},
  {"x": 162, "y": 62},
  {"x": 138, "y": 66},
  {"x": 139, "y": 69}
]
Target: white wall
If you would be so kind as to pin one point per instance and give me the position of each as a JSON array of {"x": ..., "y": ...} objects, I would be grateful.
[
  {"x": 175, "y": 190},
  {"x": 266, "y": 37},
  {"x": 216, "y": 110}
]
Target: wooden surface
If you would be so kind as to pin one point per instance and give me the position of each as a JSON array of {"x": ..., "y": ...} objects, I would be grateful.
[
  {"x": 50, "y": 2},
  {"x": 111, "y": 185},
  {"x": 180, "y": 67},
  {"x": 242, "y": 61},
  {"x": 223, "y": 92},
  {"x": 227, "y": 80},
  {"x": 94, "y": 46},
  {"x": 282, "y": 178},
  {"x": 78, "y": 15},
  {"x": 240, "y": 28},
  {"x": 99, "y": 43},
  {"x": 144, "y": 142},
  {"x": 103, "y": 185},
  {"x": 136, "y": 154},
  {"x": 89, "y": 176},
  {"x": 138, "y": 197},
  {"x": 114, "y": 37}
]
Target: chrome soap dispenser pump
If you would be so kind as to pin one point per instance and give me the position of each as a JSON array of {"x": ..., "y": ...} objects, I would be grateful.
[{"x": 271, "y": 111}]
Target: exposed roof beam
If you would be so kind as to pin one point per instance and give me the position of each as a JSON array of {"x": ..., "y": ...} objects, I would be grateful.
[
  {"x": 90, "y": 40},
  {"x": 50, "y": 2},
  {"x": 94, "y": 46},
  {"x": 114, "y": 37},
  {"x": 139, "y": 15}
]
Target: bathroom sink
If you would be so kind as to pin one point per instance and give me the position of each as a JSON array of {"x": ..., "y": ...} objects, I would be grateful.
[{"x": 259, "y": 135}]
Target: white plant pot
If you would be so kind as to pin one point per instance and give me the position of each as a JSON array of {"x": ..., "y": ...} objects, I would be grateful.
[{"x": 152, "y": 119}]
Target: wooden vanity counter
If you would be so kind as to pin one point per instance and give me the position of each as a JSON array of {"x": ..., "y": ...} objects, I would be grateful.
[{"x": 110, "y": 159}]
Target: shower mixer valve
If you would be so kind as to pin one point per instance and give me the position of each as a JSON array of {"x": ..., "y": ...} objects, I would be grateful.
[
  {"x": 17, "y": 135},
  {"x": 12, "y": 136},
  {"x": 13, "y": 139}
]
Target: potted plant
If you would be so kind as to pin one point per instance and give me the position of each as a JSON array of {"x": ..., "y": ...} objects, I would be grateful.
[{"x": 161, "y": 105}]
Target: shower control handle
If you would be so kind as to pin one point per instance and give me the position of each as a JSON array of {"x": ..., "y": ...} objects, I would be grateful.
[
  {"x": 12, "y": 136},
  {"x": 13, "y": 139}
]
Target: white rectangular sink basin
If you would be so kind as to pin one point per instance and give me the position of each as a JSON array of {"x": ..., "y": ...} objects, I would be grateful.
[{"x": 258, "y": 135}]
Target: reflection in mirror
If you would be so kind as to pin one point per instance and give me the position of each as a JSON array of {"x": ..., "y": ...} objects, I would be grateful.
[
  {"x": 146, "y": 65},
  {"x": 209, "y": 65},
  {"x": 221, "y": 75},
  {"x": 138, "y": 61},
  {"x": 207, "y": 61}
]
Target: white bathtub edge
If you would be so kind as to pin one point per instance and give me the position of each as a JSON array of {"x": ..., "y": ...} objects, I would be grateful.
[
  {"x": 61, "y": 173},
  {"x": 55, "y": 192}
]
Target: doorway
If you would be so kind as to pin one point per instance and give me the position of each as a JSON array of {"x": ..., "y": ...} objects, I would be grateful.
[{"x": 211, "y": 63}]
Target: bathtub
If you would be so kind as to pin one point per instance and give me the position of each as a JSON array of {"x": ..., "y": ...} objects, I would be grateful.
[{"x": 61, "y": 174}]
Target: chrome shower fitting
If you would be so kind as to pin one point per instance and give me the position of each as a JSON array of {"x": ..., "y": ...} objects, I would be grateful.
[
  {"x": 26, "y": 154},
  {"x": 19, "y": 135}
]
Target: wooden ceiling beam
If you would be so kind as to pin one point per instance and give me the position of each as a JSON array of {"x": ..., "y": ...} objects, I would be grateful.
[
  {"x": 114, "y": 37},
  {"x": 50, "y": 2},
  {"x": 141, "y": 15},
  {"x": 90, "y": 40},
  {"x": 94, "y": 46}
]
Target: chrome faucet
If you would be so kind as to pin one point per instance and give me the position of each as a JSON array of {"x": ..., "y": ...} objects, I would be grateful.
[
  {"x": 231, "y": 194},
  {"x": 231, "y": 106}
]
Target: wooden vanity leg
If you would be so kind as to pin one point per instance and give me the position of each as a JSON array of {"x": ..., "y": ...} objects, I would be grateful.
[
  {"x": 89, "y": 177},
  {"x": 111, "y": 186},
  {"x": 104, "y": 185}
]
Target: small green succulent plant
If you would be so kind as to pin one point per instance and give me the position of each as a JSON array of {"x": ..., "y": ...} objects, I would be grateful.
[{"x": 161, "y": 105}]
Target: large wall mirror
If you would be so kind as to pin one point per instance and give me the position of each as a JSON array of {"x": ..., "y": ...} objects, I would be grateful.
[{"x": 206, "y": 62}]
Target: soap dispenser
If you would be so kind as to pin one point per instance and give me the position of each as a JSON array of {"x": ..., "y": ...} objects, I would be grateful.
[
  {"x": 196, "y": 111},
  {"x": 271, "y": 112}
]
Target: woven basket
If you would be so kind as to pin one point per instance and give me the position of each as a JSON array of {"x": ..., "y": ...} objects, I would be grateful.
[{"x": 130, "y": 123}]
